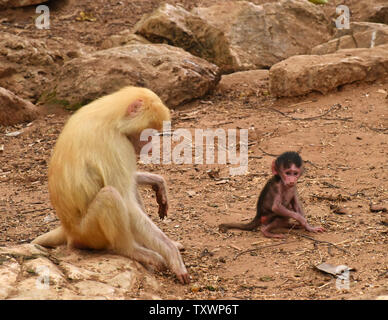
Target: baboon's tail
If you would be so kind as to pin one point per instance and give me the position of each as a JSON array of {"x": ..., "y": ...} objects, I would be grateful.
[{"x": 242, "y": 226}]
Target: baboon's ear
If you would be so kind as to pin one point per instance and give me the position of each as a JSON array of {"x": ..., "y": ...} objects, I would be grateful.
[
  {"x": 134, "y": 107},
  {"x": 273, "y": 167}
]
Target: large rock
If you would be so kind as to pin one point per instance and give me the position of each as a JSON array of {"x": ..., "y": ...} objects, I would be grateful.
[
  {"x": 239, "y": 35},
  {"x": 32, "y": 272},
  {"x": 260, "y": 36},
  {"x": 14, "y": 110},
  {"x": 178, "y": 27},
  {"x": 28, "y": 66},
  {"x": 18, "y": 3},
  {"x": 302, "y": 74},
  {"x": 172, "y": 73},
  {"x": 24, "y": 64},
  {"x": 360, "y": 35},
  {"x": 19, "y": 50}
]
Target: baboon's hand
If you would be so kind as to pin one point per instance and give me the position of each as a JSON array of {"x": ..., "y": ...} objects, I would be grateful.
[{"x": 161, "y": 199}]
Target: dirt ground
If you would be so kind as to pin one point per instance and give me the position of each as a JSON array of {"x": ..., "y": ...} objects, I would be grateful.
[{"x": 346, "y": 166}]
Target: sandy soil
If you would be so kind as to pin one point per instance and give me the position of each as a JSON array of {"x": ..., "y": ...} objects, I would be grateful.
[{"x": 346, "y": 152}]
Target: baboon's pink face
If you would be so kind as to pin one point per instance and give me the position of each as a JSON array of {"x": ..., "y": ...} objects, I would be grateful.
[{"x": 290, "y": 175}]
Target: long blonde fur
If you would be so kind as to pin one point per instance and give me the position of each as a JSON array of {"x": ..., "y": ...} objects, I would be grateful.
[{"x": 92, "y": 169}]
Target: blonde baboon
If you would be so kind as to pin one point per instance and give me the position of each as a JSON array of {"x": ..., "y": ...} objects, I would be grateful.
[{"x": 93, "y": 181}]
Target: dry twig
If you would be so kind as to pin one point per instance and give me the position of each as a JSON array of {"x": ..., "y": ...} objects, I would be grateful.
[
  {"x": 336, "y": 106},
  {"x": 309, "y": 162},
  {"x": 379, "y": 130},
  {"x": 262, "y": 247},
  {"x": 268, "y": 154},
  {"x": 316, "y": 241}
]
